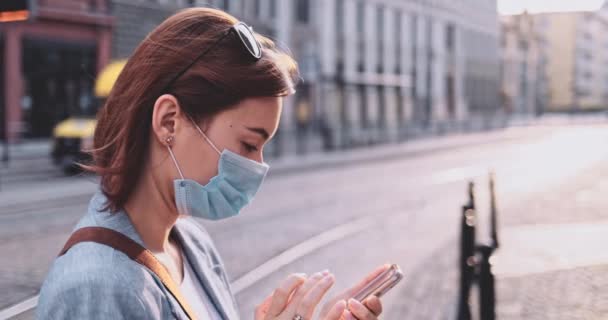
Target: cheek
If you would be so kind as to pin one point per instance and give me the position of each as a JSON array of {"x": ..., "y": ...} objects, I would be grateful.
[{"x": 195, "y": 163}]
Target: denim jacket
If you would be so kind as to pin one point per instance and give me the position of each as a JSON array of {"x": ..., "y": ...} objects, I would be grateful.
[{"x": 94, "y": 281}]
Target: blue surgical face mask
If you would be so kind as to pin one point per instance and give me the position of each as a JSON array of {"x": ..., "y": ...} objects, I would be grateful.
[{"x": 234, "y": 187}]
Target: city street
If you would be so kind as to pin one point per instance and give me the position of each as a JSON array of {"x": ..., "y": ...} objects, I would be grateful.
[{"x": 403, "y": 208}]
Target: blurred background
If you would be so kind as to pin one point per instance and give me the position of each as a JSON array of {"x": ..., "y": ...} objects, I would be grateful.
[{"x": 402, "y": 103}]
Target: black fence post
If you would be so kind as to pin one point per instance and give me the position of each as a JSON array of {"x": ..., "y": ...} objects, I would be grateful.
[
  {"x": 485, "y": 279},
  {"x": 467, "y": 255},
  {"x": 493, "y": 213},
  {"x": 474, "y": 260}
]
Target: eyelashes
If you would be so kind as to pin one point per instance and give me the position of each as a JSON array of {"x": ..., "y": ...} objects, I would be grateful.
[{"x": 249, "y": 147}]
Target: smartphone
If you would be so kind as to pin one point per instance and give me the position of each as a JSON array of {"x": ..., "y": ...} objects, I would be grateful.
[{"x": 381, "y": 284}]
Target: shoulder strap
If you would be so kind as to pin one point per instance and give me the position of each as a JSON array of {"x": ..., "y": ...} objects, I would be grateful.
[{"x": 134, "y": 251}]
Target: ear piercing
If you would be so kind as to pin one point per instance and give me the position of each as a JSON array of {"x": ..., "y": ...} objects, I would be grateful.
[{"x": 169, "y": 140}]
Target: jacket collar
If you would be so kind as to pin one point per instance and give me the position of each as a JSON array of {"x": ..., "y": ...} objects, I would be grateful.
[{"x": 120, "y": 221}]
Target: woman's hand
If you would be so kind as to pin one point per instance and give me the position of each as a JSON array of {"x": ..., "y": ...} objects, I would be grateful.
[
  {"x": 370, "y": 309},
  {"x": 299, "y": 295}
]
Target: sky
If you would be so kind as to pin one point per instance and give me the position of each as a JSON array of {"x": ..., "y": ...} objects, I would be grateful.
[{"x": 536, "y": 6}]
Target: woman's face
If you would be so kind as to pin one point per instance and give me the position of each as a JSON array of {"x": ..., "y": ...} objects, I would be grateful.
[{"x": 244, "y": 129}]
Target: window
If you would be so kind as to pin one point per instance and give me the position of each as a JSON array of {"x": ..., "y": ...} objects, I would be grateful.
[
  {"x": 340, "y": 17},
  {"x": 360, "y": 17},
  {"x": 302, "y": 11},
  {"x": 380, "y": 38},
  {"x": 380, "y": 22},
  {"x": 273, "y": 8},
  {"x": 225, "y": 5},
  {"x": 523, "y": 45},
  {"x": 381, "y": 107},
  {"x": 256, "y": 8},
  {"x": 93, "y": 5},
  {"x": 339, "y": 20},
  {"x": 360, "y": 35},
  {"x": 449, "y": 37},
  {"x": 400, "y": 107},
  {"x": 363, "y": 106},
  {"x": 398, "y": 42},
  {"x": 414, "y": 41}
]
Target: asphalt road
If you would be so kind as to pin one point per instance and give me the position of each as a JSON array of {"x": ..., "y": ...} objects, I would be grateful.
[{"x": 348, "y": 219}]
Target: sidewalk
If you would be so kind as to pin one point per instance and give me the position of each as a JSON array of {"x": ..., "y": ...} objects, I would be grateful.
[
  {"x": 575, "y": 294},
  {"x": 552, "y": 263},
  {"x": 431, "y": 293},
  {"x": 55, "y": 184},
  {"x": 48, "y": 189},
  {"x": 38, "y": 148},
  {"x": 28, "y": 149},
  {"x": 336, "y": 159}
]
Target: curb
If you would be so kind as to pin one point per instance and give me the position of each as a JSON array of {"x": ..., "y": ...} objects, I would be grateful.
[{"x": 386, "y": 152}]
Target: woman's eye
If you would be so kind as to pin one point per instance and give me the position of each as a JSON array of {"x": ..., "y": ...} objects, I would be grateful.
[{"x": 249, "y": 147}]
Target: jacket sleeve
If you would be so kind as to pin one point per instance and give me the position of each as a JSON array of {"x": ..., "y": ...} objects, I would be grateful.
[{"x": 98, "y": 296}]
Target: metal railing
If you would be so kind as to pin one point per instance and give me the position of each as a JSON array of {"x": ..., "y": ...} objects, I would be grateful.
[{"x": 474, "y": 259}]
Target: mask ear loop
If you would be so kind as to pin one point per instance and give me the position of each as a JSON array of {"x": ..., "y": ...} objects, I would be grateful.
[
  {"x": 169, "y": 142},
  {"x": 205, "y": 136}
]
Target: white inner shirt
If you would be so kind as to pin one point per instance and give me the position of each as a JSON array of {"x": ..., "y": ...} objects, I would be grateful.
[{"x": 193, "y": 291}]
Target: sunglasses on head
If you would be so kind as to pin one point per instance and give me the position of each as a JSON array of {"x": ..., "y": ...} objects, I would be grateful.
[{"x": 246, "y": 37}]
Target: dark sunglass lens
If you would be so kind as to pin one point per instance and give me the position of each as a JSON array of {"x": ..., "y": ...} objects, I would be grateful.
[{"x": 249, "y": 40}]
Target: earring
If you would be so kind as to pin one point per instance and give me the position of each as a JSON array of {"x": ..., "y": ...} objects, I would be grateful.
[{"x": 169, "y": 141}]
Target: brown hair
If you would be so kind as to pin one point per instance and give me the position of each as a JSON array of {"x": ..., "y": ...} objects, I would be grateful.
[{"x": 222, "y": 78}]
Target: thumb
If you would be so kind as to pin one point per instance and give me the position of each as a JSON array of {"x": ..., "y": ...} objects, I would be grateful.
[
  {"x": 262, "y": 309},
  {"x": 336, "y": 311}
]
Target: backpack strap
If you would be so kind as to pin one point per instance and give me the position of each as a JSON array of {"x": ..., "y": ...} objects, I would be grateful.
[{"x": 133, "y": 250}]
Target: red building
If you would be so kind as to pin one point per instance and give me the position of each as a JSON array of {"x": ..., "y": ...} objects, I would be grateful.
[{"x": 49, "y": 64}]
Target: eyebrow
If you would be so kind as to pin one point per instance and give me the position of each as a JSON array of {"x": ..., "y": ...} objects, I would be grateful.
[{"x": 260, "y": 131}]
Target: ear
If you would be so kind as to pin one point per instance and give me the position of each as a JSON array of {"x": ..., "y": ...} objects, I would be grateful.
[{"x": 166, "y": 118}]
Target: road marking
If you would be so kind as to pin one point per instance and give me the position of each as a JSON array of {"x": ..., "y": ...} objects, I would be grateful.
[
  {"x": 301, "y": 250},
  {"x": 262, "y": 271},
  {"x": 291, "y": 254},
  {"x": 19, "y": 308}
]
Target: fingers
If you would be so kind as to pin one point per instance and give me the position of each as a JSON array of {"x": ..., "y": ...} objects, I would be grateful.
[
  {"x": 347, "y": 315},
  {"x": 336, "y": 312},
  {"x": 313, "y": 297},
  {"x": 281, "y": 295},
  {"x": 360, "y": 311},
  {"x": 349, "y": 293},
  {"x": 262, "y": 309},
  {"x": 374, "y": 305},
  {"x": 299, "y": 294}
]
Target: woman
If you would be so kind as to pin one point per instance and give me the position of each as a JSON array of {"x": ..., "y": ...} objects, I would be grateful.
[{"x": 182, "y": 135}]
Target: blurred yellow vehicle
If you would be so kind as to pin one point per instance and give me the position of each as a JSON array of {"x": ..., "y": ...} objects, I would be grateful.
[{"x": 73, "y": 136}]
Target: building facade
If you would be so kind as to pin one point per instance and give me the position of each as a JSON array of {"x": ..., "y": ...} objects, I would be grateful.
[
  {"x": 372, "y": 70},
  {"x": 387, "y": 69},
  {"x": 523, "y": 65},
  {"x": 49, "y": 64},
  {"x": 577, "y": 60}
]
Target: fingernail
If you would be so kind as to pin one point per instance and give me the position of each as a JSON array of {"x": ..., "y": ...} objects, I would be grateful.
[
  {"x": 301, "y": 275},
  {"x": 349, "y": 315},
  {"x": 329, "y": 278},
  {"x": 342, "y": 304},
  {"x": 317, "y": 275},
  {"x": 325, "y": 272}
]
